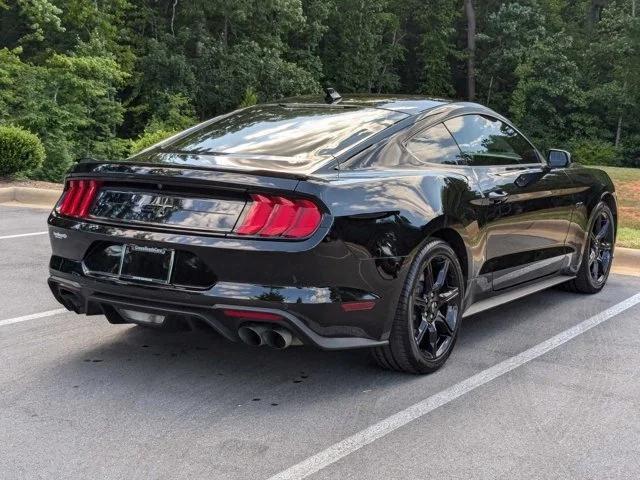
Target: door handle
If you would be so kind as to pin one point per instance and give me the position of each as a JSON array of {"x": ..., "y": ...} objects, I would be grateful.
[{"x": 497, "y": 196}]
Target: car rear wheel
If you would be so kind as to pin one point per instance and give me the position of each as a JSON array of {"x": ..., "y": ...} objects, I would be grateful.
[
  {"x": 597, "y": 255},
  {"x": 429, "y": 313}
]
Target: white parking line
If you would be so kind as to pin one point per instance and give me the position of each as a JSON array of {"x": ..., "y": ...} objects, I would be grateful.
[
  {"x": 23, "y": 235},
  {"x": 33, "y": 316},
  {"x": 355, "y": 442}
]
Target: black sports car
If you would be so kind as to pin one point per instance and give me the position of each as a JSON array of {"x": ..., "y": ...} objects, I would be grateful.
[{"x": 367, "y": 221}]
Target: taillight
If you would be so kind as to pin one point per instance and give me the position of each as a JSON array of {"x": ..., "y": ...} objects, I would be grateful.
[
  {"x": 78, "y": 197},
  {"x": 276, "y": 216}
]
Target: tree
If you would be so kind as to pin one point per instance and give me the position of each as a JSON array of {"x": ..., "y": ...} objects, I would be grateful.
[
  {"x": 471, "y": 48},
  {"x": 506, "y": 39},
  {"x": 547, "y": 97},
  {"x": 92, "y": 76},
  {"x": 362, "y": 47}
]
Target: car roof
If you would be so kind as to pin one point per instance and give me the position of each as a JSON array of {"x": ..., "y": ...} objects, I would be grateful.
[
  {"x": 408, "y": 104},
  {"x": 297, "y": 135}
]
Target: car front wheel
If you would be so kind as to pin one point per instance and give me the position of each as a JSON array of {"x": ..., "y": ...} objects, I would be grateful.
[{"x": 597, "y": 255}]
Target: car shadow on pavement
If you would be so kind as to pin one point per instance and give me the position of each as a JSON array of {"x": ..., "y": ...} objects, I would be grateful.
[{"x": 177, "y": 366}]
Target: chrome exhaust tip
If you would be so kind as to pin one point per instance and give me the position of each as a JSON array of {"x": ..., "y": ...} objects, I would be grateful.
[
  {"x": 252, "y": 334},
  {"x": 279, "y": 338}
]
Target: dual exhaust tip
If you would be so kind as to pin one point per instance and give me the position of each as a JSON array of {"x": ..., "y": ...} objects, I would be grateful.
[{"x": 274, "y": 337}]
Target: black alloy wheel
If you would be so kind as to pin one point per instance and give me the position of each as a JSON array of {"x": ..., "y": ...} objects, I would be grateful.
[
  {"x": 601, "y": 240},
  {"x": 598, "y": 253},
  {"x": 435, "y": 307},
  {"x": 428, "y": 317}
]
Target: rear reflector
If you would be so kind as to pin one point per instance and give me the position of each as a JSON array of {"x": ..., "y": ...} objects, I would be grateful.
[
  {"x": 358, "y": 306},
  {"x": 276, "y": 216},
  {"x": 251, "y": 315},
  {"x": 78, "y": 198}
]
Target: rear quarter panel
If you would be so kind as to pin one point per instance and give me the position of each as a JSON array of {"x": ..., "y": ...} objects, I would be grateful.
[{"x": 383, "y": 217}]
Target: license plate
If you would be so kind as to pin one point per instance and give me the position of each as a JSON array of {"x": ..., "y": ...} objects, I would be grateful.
[{"x": 147, "y": 264}]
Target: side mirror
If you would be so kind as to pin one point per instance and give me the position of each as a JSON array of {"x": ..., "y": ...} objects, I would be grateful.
[{"x": 558, "y": 158}]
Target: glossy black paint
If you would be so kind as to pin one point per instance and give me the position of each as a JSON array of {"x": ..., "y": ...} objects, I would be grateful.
[{"x": 510, "y": 225}]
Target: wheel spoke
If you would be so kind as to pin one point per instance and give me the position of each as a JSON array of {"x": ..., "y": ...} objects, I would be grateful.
[
  {"x": 428, "y": 278},
  {"x": 451, "y": 318},
  {"x": 605, "y": 260},
  {"x": 422, "y": 330},
  {"x": 594, "y": 269},
  {"x": 446, "y": 322},
  {"x": 432, "y": 339},
  {"x": 442, "y": 275},
  {"x": 448, "y": 295},
  {"x": 604, "y": 228}
]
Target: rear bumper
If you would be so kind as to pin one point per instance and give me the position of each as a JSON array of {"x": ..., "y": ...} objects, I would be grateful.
[
  {"x": 89, "y": 296},
  {"x": 307, "y": 283}
]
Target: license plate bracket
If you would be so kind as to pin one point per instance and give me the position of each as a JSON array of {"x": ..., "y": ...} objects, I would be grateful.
[{"x": 146, "y": 264}]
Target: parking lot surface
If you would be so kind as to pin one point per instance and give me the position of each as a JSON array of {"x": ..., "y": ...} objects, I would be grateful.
[{"x": 80, "y": 398}]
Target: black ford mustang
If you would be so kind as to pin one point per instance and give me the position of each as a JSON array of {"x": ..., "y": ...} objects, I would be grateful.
[{"x": 374, "y": 221}]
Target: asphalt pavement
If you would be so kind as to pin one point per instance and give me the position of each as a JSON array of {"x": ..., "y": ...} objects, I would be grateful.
[{"x": 81, "y": 398}]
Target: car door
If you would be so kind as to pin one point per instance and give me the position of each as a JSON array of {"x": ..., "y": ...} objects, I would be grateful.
[{"x": 526, "y": 207}]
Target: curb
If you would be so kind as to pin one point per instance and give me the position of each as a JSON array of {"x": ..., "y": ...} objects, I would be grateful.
[
  {"x": 626, "y": 261},
  {"x": 30, "y": 197}
]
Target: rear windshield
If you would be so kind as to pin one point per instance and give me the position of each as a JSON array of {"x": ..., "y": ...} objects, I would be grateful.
[{"x": 311, "y": 132}]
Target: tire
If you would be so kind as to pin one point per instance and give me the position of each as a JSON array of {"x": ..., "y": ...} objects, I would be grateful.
[
  {"x": 427, "y": 319},
  {"x": 586, "y": 281}
]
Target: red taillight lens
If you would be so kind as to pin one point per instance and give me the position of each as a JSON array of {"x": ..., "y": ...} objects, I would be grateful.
[
  {"x": 307, "y": 220},
  {"x": 258, "y": 215},
  {"x": 279, "y": 217},
  {"x": 78, "y": 197}
]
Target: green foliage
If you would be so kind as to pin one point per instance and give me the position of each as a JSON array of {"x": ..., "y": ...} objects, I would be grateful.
[
  {"x": 20, "y": 150},
  {"x": 505, "y": 44},
  {"x": 360, "y": 50},
  {"x": 250, "y": 98},
  {"x": 547, "y": 95},
  {"x": 102, "y": 79},
  {"x": 594, "y": 152},
  {"x": 149, "y": 139}
]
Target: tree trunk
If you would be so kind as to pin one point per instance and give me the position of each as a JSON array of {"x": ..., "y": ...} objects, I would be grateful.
[
  {"x": 173, "y": 16},
  {"x": 471, "y": 48},
  {"x": 489, "y": 92},
  {"x": 624, "y": 88},
  {"x": 619, "y": 130}
]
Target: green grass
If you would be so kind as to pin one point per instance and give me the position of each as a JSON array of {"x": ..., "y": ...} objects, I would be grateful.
[
  {"x": 627, "y": 182},
  {"x": 622, "y": 174},
  {"x": 628, "y": 237}
]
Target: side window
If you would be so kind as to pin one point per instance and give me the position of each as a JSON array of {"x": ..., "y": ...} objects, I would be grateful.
[
  {"x": 435, "y": 145},
  {"x": 488, "y": 141}
]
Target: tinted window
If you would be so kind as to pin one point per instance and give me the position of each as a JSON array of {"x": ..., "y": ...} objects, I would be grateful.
[
  {"x": 488, "y": 141},
  {"x": 301, "y": 132},
  {"x": 435, "y": 145}
]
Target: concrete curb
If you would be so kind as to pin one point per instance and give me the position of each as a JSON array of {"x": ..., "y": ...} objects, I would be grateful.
[
  {"x": 626, "y": 261},
  {"x": 30, "y": 197}
]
